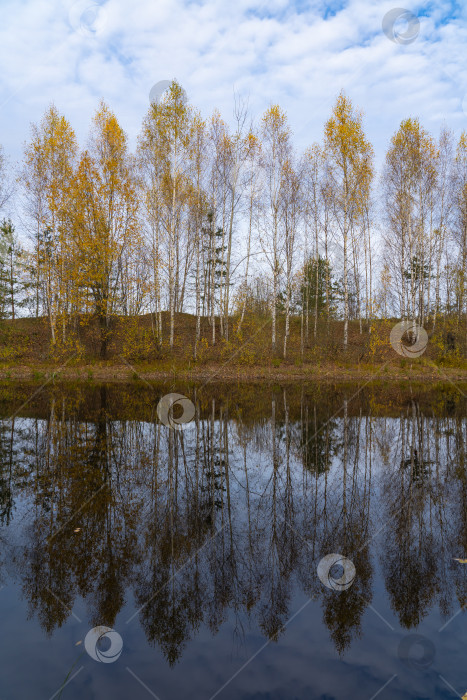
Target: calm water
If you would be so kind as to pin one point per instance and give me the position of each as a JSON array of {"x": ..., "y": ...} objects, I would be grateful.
[{"x": 200, "y": 548}]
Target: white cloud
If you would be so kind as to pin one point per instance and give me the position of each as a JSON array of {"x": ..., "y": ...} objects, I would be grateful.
[{"x": 274, "y": 51}]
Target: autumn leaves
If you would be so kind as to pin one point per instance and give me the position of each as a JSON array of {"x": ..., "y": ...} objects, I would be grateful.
[
  {"x": 84, "y": 212},
  {"x": 116, "y": 233},
  {"x": 200, "y": 211}
]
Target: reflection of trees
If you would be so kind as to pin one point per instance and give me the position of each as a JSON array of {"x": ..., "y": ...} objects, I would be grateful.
[
  {"x": 77, "y": 486},
  {"x": 279, "y": 554},
  {"x": 178, "y": 519},
  {"x": 227, "y": 517},
  {"x": 7, "y": 458},
  {"x": 316, "y": 439},
  {"x": 340, "y": 523},
  {"x": 420, "y": 499}
]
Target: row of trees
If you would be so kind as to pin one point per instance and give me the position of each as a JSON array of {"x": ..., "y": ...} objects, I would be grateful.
[{"x": 203, "y": 218}]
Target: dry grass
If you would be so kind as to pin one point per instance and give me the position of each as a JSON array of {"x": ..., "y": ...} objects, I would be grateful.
[{"x": 26, "y": 350}]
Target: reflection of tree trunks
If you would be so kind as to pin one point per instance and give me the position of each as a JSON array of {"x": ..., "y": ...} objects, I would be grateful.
[
  {"x": 344, "y": 464},
  {"x": 155, "y": 464},
  {"x": 197, "y": 485},
  {"x": 211, "y": 456},
  {"x": 274, "y": 463},
  {"x": 226, "y": 476},
  {"x": 289, "y": 490},
  {"x": 170, "y": 468},
  {"x": 316, "y": 479},
  {"x": 281, "y": 514}
]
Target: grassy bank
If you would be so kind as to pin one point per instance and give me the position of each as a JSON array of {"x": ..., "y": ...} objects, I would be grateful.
[
  {"x": 134, "y": 353},
  {"x": 112, "y": 372}
]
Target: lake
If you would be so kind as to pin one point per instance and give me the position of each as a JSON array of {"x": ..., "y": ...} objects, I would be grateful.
[{"x": 256, "y": 542}]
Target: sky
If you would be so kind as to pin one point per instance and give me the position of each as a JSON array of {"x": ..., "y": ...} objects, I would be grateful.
[{"x": 297, "y": 54}]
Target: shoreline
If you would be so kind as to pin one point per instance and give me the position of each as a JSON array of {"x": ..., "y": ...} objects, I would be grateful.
[{"x": 123, "y": 373}]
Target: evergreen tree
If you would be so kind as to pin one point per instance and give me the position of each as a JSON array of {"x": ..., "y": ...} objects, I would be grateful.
[
  {"x": 215, "y": 268},
  {"x": 307, "y": 296},
  {"x": 11, "y": 261}
]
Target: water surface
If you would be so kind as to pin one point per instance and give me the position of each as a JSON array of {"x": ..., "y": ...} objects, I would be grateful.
[{"x": 200, "y": 548}]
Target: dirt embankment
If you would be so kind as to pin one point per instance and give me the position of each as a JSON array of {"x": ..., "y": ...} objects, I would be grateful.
[
  {"x": 126, "y": 372},
  {"x": 27, "y": 353}
]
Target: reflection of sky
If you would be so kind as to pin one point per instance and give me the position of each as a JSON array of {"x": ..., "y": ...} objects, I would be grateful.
[{"x": 303, "y": 663}]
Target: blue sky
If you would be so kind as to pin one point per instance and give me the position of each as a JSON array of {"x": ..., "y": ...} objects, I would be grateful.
[{"x": 297, "y": 54}]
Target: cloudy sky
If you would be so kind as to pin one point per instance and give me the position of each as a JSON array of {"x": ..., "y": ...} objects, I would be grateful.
[{"x": 299, "y": 54}]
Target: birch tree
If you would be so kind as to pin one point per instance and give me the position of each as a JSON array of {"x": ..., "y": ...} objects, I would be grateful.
[
  {"x": 164, "y": 146},
  {"x": 349, "y": 155},
  {"x": 46, "y": 176},
  {"x": 252, "y": 187},
  {"x": 275, "y": 153},
  {"x": 292, "y": 206},
  {"x": 459, "y": 200},
  {"x": 408, "y": 186}
]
